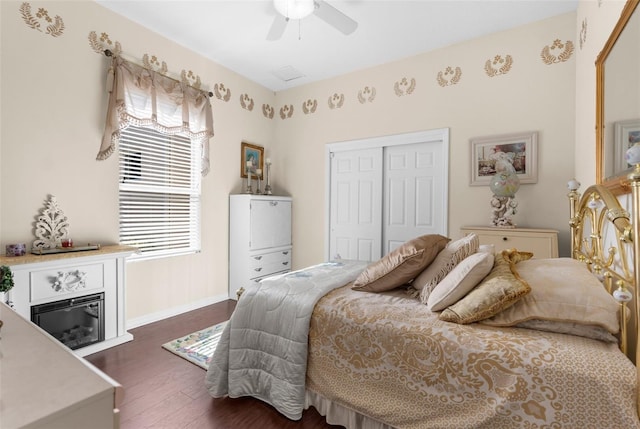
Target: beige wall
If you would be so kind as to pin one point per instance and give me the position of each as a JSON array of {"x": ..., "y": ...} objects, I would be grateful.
[
  {"x": 595, "y": 21},
  {"x": 52, "y": 109},
  {"x": 532, "y": 96}
]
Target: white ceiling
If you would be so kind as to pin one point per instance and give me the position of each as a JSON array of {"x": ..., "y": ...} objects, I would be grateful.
[{"x": 233, "y": 33}]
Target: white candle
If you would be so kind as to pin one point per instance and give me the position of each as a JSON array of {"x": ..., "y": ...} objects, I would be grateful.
[
  {"x": 259, "y": 171},
  {"x": 268, "y": 161},
  {"x": 249, "y": 164}
]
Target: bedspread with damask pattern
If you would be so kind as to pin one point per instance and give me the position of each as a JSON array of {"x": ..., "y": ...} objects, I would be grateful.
[{"x": 388, "y": 357}]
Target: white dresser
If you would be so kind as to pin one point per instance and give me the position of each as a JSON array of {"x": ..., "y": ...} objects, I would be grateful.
[
  {"x": 46, "y": 386},
  {"x": 259, "y": 238},
  {"x": 543, "y": 243}
]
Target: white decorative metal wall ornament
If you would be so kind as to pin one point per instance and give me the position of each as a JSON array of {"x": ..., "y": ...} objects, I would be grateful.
[{"x": 51, "y": 227}]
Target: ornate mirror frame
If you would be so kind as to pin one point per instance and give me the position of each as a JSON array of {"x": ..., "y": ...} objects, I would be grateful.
[{"x": 617, "y": 184}]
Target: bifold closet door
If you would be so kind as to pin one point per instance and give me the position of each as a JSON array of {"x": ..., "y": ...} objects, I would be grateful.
[
  {"x": 356, "y": 202},
  {"x": 413, "y": 194}
]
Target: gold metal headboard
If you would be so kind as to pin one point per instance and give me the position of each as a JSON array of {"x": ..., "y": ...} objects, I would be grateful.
[{"x": 602, "y": 237}]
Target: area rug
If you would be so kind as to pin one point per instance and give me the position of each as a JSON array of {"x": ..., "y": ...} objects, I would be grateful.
[{"x": 197, "y": 347}]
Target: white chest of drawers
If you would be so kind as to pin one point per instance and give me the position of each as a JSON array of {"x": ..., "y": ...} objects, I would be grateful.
[
  {"x": 542, "y": 242},
  {"x": 259, "y": 239}
]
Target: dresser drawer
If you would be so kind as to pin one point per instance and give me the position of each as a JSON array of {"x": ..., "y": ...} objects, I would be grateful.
[
  {"x": 269, "y": 263},
  {"x": 58, "y": 283},
  {"x": 543, "y": 243}
]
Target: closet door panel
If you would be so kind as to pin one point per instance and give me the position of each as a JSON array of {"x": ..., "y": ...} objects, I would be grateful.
[
  {"x": 356, "y": 198},
  {"x": 413, "y": 193}
]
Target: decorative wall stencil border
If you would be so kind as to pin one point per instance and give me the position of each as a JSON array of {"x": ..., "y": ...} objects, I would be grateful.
[
  {"x": 504, "y": 65},
  {"x": 99, "y": 45},
  {"x": 336, "y": 101},
  {"x": 55, "y": 29},
  {"x": 309, "y": 106},
  {"x": 286, "y": 111},
  {"x": 246, "y": 102},
  {"x": 268, "y": 111},
  {"x": 367, "y": 95},
  {"x": 222, "y": 92},
  {"x": 153, "y": 63},
  {"x": 444, "y": 79},
  {"x": 567, "y": 50},
  {"x": 583, "y": 33},
  {"x": 404, "y": 86},
  {"x": 191, "y": 79}
]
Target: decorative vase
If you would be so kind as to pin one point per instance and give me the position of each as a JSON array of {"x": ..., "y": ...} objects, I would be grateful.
[{"x": 505, "y": 184}]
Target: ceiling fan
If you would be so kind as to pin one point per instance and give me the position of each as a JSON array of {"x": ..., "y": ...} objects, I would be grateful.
[{"x": 298, "y": 9}]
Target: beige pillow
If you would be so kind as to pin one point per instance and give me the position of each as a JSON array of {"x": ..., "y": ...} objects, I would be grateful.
[
  {"x": 562, "y": 290},
  {"x": 464, "y": 277},
  {"x": 499, "y": 290},
  {"x": 446, "y": 260},
  {"x": 401, "y": 265}
]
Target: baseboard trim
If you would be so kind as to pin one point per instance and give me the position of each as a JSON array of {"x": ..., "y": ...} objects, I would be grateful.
[{"x": 174, "y": 311}]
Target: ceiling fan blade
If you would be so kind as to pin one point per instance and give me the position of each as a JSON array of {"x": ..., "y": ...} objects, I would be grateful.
[
  {"x": 334, "y": 17},
  {"x": 277, "y": 27}
]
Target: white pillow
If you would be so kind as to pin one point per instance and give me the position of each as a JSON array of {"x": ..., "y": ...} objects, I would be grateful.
[
  {"x": 464, "y": 277},
  {"x": 447, "y": 259}
]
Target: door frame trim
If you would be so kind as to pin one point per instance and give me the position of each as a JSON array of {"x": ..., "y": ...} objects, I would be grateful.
[{"x": 428, "y": 136}]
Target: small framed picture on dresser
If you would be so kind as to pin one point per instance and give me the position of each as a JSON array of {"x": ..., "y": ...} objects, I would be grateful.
[{"x": 251, "y": 160}]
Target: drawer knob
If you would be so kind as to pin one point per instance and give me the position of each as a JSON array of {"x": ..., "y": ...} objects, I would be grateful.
[
  {"x": 257, "y": 258},
  {"x": 285, "y": 263},
  {"x": 505, "y": 238},
  {"x": 285, "y": 253},
  {"x": 258, "y": 269}
]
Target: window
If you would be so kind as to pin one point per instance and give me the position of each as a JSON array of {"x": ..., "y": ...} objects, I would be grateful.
[{"x": 159, "y": 192}]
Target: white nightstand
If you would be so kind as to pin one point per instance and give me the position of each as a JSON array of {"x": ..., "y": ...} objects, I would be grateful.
[{"x": 542, "y": 242}]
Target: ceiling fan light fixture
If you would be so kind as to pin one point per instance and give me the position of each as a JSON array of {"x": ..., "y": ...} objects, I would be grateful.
[{"x": 294, "y": 9}]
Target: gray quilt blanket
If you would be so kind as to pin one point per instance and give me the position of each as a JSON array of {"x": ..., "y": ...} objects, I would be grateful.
[{"x": 263, "y": 349}]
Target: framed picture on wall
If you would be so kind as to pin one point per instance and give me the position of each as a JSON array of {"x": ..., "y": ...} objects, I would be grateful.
[
  {"x": 251, "y": 158},
  {"x": 492, "y": 154},
  {"x": 627, "y": 133}
]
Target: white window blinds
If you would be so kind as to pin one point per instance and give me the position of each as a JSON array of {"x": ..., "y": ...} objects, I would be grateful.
[{"x": 159, "y": 192}]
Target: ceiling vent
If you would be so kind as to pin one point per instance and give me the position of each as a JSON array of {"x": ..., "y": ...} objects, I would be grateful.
[{"x": 288, "y": 73}]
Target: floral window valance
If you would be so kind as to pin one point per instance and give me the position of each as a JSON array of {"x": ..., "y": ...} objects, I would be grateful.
[{"x": 143, "y": 97}]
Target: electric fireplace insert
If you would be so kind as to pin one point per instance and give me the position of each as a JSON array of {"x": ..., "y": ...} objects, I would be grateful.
[{"x": 75, "y": 322}]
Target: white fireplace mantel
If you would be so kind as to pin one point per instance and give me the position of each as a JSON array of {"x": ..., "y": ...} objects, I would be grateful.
[{"x": 41, "y": 279}]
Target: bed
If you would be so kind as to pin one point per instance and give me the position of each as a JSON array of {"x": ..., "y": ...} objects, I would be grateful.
[{"x": 444, "y": 333}]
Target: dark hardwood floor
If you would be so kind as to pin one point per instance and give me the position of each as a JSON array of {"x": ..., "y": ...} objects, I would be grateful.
[{"x": 163, "y": 390}]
